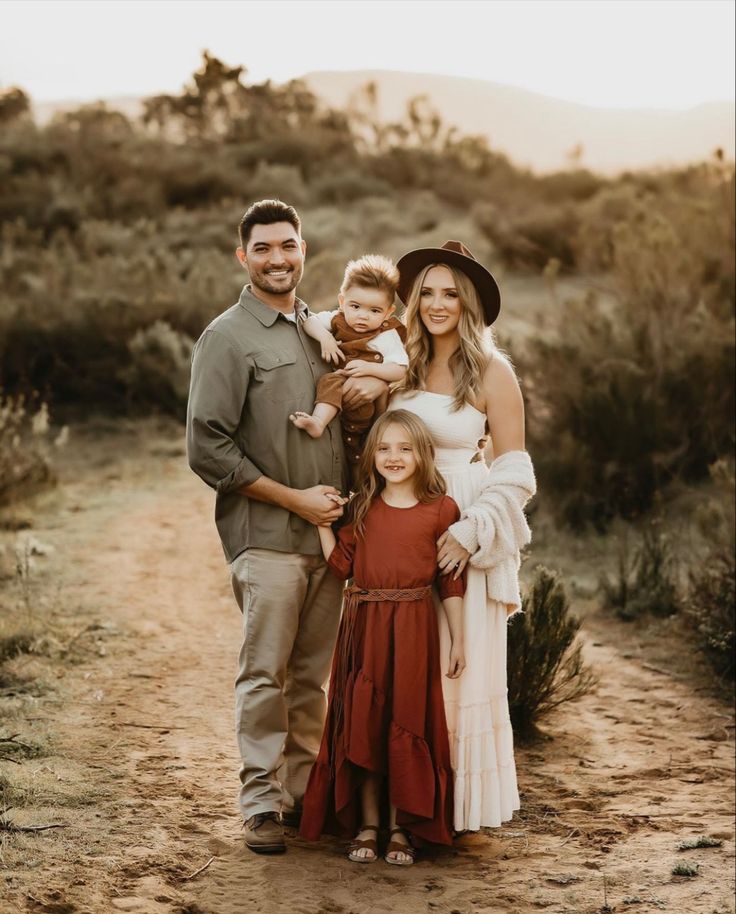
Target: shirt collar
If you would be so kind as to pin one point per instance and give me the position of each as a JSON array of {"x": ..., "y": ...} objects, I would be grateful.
[{"x": 267, "y": 316}]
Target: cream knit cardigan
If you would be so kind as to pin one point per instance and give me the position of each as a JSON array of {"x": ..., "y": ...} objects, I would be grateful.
[{"x": 493, "y": 529}]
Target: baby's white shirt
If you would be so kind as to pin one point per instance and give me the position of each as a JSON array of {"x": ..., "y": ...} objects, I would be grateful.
[{"x": 387, "y": 343}]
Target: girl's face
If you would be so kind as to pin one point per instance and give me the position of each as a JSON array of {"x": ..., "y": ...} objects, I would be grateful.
[
  {"x": 439, "y": 303},
  {"x": 396, "y": 457}
]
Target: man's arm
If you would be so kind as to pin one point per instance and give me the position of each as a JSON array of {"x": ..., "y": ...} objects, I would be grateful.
[
  {"x": 219, "y": 386},
  {"x": 318, "y": 504},
  {"x": 331, "y": 351}
]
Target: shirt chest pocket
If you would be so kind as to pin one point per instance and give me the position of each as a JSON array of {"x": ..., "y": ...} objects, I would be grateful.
[{"x": 276, "y": 375}]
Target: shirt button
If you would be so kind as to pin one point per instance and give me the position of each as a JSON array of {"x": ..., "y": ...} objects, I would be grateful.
[{"x": 376, "y": 356}]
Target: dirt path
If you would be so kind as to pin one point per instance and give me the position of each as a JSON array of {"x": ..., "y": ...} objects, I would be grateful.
[{"x": 143, "y": 738}]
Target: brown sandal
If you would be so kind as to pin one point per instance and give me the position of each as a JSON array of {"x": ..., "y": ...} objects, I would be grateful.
[
  {"x": 370, "y": 844},
  {"x": 396, "y": 847}
]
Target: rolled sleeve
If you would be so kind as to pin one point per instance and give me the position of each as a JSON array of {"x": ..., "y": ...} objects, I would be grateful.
[
  {"x": 324, "y": 317},
  {"x": 218, "y": 388}
]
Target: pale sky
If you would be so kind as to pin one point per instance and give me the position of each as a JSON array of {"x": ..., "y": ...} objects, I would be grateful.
[{"x": 608, "y": 53}]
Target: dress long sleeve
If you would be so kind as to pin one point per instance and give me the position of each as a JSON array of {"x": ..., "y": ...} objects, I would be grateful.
[{"x": 340, "y": 562}]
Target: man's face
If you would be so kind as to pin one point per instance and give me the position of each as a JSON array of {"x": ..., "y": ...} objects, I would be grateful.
[{"x": 274, "y": 257}]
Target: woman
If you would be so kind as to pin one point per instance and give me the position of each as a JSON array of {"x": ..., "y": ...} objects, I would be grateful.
[{"x": 463, "y": 389}]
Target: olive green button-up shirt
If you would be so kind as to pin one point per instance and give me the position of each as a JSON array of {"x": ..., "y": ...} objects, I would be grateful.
[{"x": 251, "y": 368}]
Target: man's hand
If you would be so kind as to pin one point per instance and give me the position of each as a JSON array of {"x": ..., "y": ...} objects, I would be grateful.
[
  {"x": 331, "y": 351},
  {"x": 359, "y": 391},
  {"x": 451, "y": 556},
  {"x": 320, "y": 505},
  {"x": 357, "y": 368}
]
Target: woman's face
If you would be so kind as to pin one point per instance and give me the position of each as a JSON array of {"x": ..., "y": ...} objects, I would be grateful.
[{"x": 439, "y": 304}]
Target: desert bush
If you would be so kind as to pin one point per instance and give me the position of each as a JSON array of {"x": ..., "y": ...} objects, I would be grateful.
[
  {"x": 545, "y": 664},
  {"x": 531, "y": 238},
  {"x": 25, "y": 448},
  {"x": 632, "y": 392},
  {"x": 645, "y": 580},
  {"x": 159, "y": 373},
  {"x": 710, "y": 609}
]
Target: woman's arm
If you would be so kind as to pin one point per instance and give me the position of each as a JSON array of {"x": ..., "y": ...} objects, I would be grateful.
[
  {"x": 504, "y": 406},
  {"x": 453, "y": 609},
  {"x": 504, "y": 409}
]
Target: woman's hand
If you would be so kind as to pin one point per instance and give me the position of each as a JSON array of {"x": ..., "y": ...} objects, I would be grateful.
[
  {"x": 331, "y": 351},
  {"x": 451, "y": 556},
  {"x": 457, "y": 660},
  {"x": 357, "y": 368}
]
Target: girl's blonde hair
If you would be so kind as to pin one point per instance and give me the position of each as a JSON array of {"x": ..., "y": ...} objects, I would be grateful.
[
  {"x": 470, "y": 360},
  {"x": 428, "y": 484}
]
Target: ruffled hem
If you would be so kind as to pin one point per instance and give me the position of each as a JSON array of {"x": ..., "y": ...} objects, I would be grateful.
[
  {"x": 418, "y": 785},
  {"x": 421, "y": 792},
  {"x": 482, "y": 748}
]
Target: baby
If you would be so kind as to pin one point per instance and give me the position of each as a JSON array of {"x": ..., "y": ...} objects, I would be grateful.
[{"x": 364, "y": 332}]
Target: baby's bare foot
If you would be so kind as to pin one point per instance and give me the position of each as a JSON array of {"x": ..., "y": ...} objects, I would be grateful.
[{"x": 310, "y": 425}]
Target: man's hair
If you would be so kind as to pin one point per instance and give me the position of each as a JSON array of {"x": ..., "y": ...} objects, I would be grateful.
[
  {"x": 267, "y": 212},
  {"x": 372, "y": 271}
]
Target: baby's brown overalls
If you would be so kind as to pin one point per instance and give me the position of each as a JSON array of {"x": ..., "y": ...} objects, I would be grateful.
[{"x": 355, "y": 421}]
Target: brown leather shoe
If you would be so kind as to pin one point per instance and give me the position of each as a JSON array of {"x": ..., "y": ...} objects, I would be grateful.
[{"x": 264, "y": 833}]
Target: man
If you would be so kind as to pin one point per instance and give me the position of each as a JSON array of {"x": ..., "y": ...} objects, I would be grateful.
[{"x": 251, "y": 368}]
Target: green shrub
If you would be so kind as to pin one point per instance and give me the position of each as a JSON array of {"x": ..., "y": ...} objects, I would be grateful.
[
  {"x": 645, "y": 582},
  {"x": 711, "y": 610},
  {"x": 701, "y": 841},
  {"x": 159, "y": 373},
  {"x": 545, "y": 664},
  {"x": 630, "y": 392},
  {"x": 686, "y": 868},
  {"x": 534, "y": 236},
  {"x": 25, "y": 449}
]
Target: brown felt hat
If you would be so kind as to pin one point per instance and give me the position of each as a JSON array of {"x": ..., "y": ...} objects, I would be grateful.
[{"x": 452, "y": 254}]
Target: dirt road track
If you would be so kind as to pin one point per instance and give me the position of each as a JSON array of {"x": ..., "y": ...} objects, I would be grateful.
[{"x": 144, "y": 729}]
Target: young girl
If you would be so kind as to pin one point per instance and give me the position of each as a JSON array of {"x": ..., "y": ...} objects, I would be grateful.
[{"x": 385, "y": 740}]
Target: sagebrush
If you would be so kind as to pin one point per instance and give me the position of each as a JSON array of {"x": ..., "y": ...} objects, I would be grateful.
[{"x": 545, "y": 663}]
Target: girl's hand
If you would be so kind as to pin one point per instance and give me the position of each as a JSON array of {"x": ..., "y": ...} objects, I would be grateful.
[
  {"x": 451, "y": 556},
  {"x": 457, "y": 661},
  {"x": 331, "y": 351},
  {"x": 357, "y": 368}
]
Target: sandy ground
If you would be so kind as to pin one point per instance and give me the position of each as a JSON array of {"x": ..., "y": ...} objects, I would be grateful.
[{"x": 143, "y": 772}]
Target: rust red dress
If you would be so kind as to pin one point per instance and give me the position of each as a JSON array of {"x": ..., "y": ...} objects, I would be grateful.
[{"x": 386, "y": 713}]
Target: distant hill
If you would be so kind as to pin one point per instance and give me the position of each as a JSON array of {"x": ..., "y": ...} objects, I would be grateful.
[
  {"x": 533, "y": 130},
  {"x": 539, "y": 131}
]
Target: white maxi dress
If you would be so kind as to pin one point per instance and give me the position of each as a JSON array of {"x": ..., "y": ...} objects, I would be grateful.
[{"x": 476, "y": 704}]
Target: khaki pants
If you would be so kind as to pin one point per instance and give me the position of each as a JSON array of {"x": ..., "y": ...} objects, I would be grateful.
[{"x": 291, "y": 609}]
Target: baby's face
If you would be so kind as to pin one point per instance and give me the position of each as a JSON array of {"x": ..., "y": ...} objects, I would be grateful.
[{"x": 365, "y": 309}]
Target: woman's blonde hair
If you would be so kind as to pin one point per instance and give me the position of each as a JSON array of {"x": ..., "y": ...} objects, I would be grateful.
[
  {"x": 470, "y": 360},
  {"x": 428, "y": 484}
]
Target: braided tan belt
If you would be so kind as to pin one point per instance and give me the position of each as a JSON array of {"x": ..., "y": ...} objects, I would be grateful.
[{"x": 355, "y": 595}]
